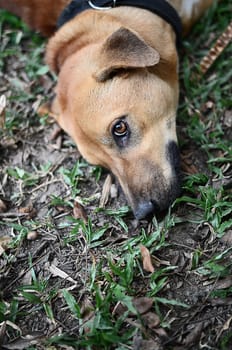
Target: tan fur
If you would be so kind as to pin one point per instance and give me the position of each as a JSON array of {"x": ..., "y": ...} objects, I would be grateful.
[{"x": 84, "y": 52}]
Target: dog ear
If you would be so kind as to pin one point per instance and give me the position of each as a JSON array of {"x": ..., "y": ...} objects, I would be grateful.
[{"x": 124, "y": 49}]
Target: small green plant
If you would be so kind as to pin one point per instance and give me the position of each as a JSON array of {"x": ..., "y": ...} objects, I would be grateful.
[
  {"x": 218, "y": 266},
  {"x": 159, "y": 279},
  {"x": 79, "y": 228},
  {"x": 97, "y": 172},
  {"x": 57, "y": 201},
  {"x": 8, "y": 311},
  {"x": 124, "y": 270},
  {"x": 37, "y": 293},
  {"x": 73, "y": 176},
  {"x": 72, "y": 304},
  {"x": 225, "y": 341},
  {"x": 25, "y": 177},
  {"x": 117, "y": 214},
  {"x": 215, "y": 203},
  {"x": 104, "y": 330},
  {"x": 91, "y": 234},
  {"x": 154, "y": 240},
  {"x": 20, "y": 232}
]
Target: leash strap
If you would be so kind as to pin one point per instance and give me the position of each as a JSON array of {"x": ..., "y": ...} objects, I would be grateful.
[{"x": 160, "y": 7}]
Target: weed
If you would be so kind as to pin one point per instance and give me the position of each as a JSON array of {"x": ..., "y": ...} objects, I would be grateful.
[
  {"x": 72, "y": 304},
  {"x": 21, "y": 233},
  {"x": 215, "y": 205},
  {"x": 8, "y": 311},
  {"x": 124, "y": 270},
  {"x": 86, "y": 230},
  {"x": 37, "y": 293},
  {"x": 225, "y": 342},
  {"x": 218, "y": 266},
  {"x": 25, "y": 177},
  {"x": 117, "y": 214},
  {"x": 91, "y": 234},
  {"x": 103, "y": 330},
  {"x": 73, "y": 176}
]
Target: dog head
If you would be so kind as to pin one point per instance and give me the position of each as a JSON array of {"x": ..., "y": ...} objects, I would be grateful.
[{"x": 117, "y": 98}]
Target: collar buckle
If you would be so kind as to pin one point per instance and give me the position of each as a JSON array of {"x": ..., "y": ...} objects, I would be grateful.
[{"x": 95, "y": 7}]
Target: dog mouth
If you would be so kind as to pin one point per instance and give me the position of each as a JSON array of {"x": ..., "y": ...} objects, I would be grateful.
[{"x": 148, "y": 207}]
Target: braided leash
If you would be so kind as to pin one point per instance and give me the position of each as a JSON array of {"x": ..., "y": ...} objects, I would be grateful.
[{"x": 224, "y": 39}]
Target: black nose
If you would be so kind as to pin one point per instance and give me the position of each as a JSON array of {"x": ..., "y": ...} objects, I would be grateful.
[{"x": 146, "y": 210}]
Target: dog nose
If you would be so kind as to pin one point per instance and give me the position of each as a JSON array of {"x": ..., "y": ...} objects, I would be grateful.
[{"x": 146, "y": 210}]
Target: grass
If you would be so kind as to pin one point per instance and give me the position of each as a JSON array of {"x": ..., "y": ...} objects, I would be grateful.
[{"x": 84, "y": 278}]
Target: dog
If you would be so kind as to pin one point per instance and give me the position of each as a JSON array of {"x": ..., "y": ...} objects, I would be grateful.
[{"x": 117, "y": 91}]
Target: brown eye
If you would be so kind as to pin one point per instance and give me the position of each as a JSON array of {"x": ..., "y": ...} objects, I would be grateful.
[{"x": 120, "y": 128}]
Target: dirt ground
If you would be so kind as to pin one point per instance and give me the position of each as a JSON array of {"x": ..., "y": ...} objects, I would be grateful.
[{"x": 41, "y": 188}]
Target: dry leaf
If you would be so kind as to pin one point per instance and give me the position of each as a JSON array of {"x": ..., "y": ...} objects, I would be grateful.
[
  {"x": 143, "y": 304},
  {"x": 29, "y": 210},
  {"x": 56, "y": 136},
  {"x": 146, "y": 257},
  {"x": 227, "y": 238},
  {"x": 224, "y": 283},
  {"x": 4, "y": 241},
  {"x": 55, "y": 133},
  {"x": 158, "y": 262},
  {"x": 228, "y": 118},
  {"x": 87, "y": 311},
  {"x": 58, "y": 272},
  {"x": 227, "y": 324},
  {"x": 194, "y": 335},
  {"x": 119, "y": 309},
  {"x": 3, "y": 207},
  {"x": 151, "y": 320},
  {"x": 141, "y": 344},
  {"x": 2, "y": 110},
  {"x": 187, "y": 164},
  {"x": 26, "y": 279},
  {"x": 225, "y": 327},
  {"x": 2, "y": 331},
  {"x": 106, "y": 191},
  {"x": 79, "y": 212},
  {"x": 161, "y": 332},
  {"x": 219, "y": 301}
]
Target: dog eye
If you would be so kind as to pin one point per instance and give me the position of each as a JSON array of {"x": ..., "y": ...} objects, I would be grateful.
[{"x": 120, "y": 128}]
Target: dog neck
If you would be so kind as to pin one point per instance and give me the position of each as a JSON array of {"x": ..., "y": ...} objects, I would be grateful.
[{"x": 159, "y": 7}]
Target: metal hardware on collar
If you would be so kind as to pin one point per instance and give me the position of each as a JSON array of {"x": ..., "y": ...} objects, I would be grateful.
[
  {"x": 101, "y": 8},
  {"x": 161, "y": 8}
]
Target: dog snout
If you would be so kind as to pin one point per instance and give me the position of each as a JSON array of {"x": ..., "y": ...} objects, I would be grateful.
[{"x": 146, "y": 210}]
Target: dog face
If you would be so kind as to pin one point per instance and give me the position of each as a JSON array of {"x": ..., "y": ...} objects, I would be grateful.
[{"x": 118, "y": 101}]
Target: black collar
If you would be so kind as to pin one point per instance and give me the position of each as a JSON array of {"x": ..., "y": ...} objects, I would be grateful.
[{"x": 160, "y": 7}]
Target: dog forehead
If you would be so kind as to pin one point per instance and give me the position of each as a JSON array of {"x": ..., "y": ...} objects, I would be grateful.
[{"x": 137, "y": 93}]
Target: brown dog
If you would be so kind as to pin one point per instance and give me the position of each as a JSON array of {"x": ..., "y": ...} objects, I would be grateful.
[{"x": 117, "y": 91}]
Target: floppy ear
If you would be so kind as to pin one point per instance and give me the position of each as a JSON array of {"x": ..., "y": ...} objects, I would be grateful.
[{"x": 124, "y": 49}]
